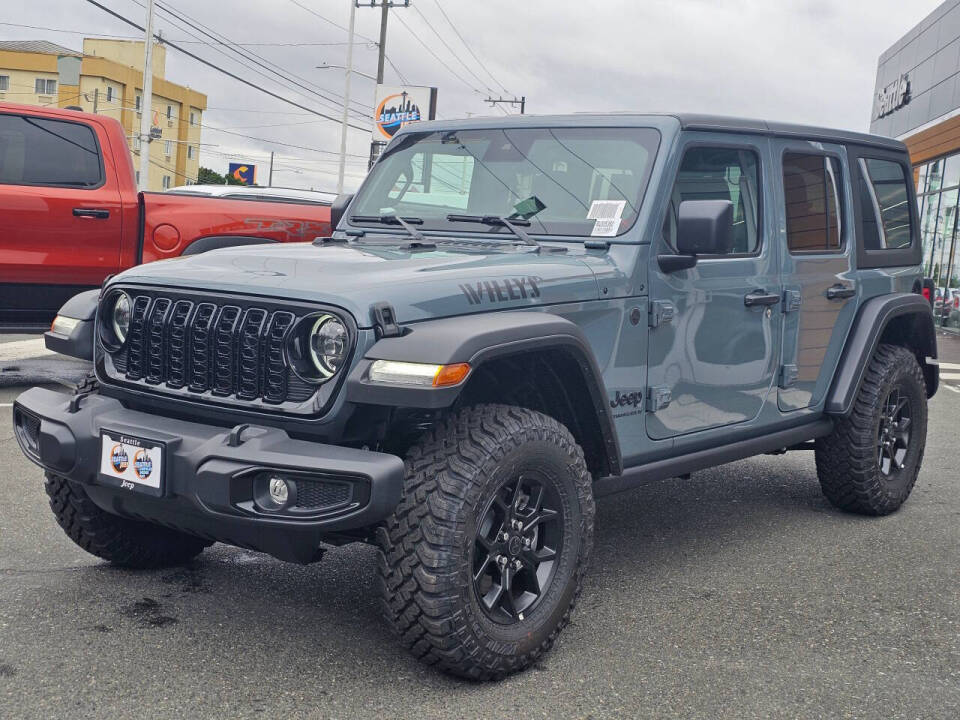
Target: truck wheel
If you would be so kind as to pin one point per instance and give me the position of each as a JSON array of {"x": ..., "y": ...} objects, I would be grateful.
[
  {"x": 123, "y": 542},
  {"x": 482, "y": 562},
  {"x": 870, "y": 462}
]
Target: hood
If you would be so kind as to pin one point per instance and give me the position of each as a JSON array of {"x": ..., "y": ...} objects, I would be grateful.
[{"x": 420, "y": 284}]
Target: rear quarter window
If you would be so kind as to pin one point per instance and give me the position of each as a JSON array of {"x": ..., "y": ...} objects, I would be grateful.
[
  {"x": 885, "y": 203},
  {"x": 41, "y": 151}
]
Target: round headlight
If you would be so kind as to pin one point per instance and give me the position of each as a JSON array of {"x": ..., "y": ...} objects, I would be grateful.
[
  {"x": 120, "y": 316},
  {"x": 329, "y": 343}
]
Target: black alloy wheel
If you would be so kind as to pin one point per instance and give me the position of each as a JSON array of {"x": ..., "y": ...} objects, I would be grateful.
[
  {"x": 893, "y": 435},
  {"x": 515, "y": 550}
]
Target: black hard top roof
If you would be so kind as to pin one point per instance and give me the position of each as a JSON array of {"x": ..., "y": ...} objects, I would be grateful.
[
  {"x": 687, "y": 121},
  {"x": 722, "y": 123}
]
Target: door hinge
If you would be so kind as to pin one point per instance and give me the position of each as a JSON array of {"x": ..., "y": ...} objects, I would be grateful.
[
  {"x": 788, "y": 375},
  {"x": 792, "y": 300},
  {"x": 661, "y": 311},
  {"x": 658, "y": 398}
]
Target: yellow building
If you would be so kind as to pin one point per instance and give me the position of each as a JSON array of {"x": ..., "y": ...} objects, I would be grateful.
[{"x": 106, "y": 78}]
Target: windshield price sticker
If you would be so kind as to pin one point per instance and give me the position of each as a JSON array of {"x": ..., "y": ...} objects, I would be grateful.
[{"x": 607, "y": 214}]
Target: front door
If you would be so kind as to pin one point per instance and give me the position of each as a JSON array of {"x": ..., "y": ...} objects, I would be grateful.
[
  {"x": 817, "y": 277},
  {"x": 713, "y": 364}
]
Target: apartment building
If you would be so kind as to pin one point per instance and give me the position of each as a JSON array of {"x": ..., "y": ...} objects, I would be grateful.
[{"x": 107, "y": 78}]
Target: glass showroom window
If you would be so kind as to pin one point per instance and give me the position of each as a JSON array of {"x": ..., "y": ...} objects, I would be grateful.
[{"x": 938, "y": 199}]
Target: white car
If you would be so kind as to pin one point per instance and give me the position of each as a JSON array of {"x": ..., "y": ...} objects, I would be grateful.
[{"x": 257, "y": 192}]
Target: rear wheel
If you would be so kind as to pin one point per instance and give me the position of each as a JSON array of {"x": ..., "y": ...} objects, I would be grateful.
[
  {"x": 870, "y": 463},
  {"x": 483, "y": 560}
]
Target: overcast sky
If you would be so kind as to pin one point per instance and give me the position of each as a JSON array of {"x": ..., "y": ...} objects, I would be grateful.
[{"x": 810, "y": 61}]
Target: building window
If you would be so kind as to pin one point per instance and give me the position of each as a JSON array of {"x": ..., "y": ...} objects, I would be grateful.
[
  {"x": 169, "y": 112},
  {"x": 137, "y": 101},
  {"x": 138, "y": 178},
  {"x": 166, "y": 182},
  {"x": 168, "y": 148},
  {"x": 136, "y": 143},
  {"x": 193, "y": 118},
  {"x": 812, "y": 202},
  {"x": 109, "y": 94},
  {"x": 189, "y": 152},
  {"x": 45, "y": 86},
  {"x": 4, "y": 83}
]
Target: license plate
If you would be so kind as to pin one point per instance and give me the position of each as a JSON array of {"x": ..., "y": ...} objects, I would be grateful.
[{"x": 131, "y": 463}]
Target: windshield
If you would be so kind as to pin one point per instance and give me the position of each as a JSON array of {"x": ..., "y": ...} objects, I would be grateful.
[{"x": 564, "y": 181}]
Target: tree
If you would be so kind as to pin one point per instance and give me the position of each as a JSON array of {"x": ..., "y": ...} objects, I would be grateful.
[{"x": 206, "y": 176}]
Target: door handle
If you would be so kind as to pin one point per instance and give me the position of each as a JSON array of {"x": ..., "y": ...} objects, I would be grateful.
[
  {"x": 840, "y": 292},
  {"x": 98, "y": 213},
  {"x": 760, "y": 297}
]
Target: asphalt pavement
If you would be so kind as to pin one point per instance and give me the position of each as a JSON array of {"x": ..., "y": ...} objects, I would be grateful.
[{"x": 738, "y": 593}]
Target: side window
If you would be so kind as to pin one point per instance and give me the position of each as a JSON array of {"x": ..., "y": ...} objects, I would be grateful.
[
  {"x": 885, "y": 205},
  {"x": 812, "y": 202},
  {"x": 37, "y": 151},
  {"x": 710, "y": 173}
]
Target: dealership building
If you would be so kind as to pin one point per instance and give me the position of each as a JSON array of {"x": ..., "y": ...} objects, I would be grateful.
[{"x": 917, "y": 100}]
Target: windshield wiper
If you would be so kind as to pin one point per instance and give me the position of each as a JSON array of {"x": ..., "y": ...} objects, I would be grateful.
[
  {"x": 405, "y": 223},
  {"x": 496, "y": 221}
]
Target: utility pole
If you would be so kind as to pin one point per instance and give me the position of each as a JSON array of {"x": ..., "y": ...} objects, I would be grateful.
[
  {"x": 522, "y": 102},
  {"x": 384, "y": 6},
  {"x": 147, "y": 104},
  {"x": 346, "y": 99},
  {"x": 270, "y": 175},
  {"x": 96, "y": 98}
]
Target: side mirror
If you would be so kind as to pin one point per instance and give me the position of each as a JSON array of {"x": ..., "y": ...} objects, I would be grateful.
[
  {"x": 704, "y": 227},
  {"x": 338, "y": 208}
]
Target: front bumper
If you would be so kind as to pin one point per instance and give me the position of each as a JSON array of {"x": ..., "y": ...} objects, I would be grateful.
[{"x": 208, "y": 473}]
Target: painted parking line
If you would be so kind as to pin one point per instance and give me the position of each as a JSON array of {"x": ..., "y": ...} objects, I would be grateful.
[
  {"x": 23, "y": 350},
  {"x": 949, "y": 376},
  {"x": 951, "y": 387},
  {"x": 6, "y": 404},
  {"x": 943, "y": 365}
]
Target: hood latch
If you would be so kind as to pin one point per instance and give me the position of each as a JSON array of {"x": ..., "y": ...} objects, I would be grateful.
[{"x": 385, "y": 320}]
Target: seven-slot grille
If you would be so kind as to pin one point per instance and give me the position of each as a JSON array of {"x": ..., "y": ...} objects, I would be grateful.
[{"x": 228, "y": 350}]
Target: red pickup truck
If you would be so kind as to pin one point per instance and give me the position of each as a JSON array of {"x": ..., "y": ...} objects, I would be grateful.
[{"x": 70, "y": 213}]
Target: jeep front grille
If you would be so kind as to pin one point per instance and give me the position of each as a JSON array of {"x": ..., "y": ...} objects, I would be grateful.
[{"x": 230, "y": 350}]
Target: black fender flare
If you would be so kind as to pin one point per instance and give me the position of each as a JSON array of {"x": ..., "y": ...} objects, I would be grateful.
[
  {"x": 215, "y": 242},
  {"x": 916, "y": 331},
  {"x": 78, "y": 342},
  {"x": 476, "y": 339}
]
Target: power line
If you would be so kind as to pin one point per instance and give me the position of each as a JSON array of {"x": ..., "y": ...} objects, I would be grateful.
[
  {"x": 369, "y": 40},
  {"x": 221, "y": 39},
  {"x": 185, "y": 41},
  {"x": 467, "y": 46},
  {"x": 446, "y": 66},
  {"x": 227, "y": 72},
  {"x": 447, "y": 46}
]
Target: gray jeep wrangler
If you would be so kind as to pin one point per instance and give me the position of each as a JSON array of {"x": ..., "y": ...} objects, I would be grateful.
[{"x": 514, "y": 317}]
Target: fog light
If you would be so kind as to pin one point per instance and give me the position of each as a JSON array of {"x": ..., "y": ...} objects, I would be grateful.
[{"x": 279, "y": 491}]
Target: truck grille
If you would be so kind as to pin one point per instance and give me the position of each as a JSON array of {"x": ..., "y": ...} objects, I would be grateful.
[{"x": 227, "y": 350}]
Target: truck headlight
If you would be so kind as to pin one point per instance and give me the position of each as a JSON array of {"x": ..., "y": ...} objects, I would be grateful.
[
  {"x": 319, "y": 347},
  {"x": 329, "y": 343},
  {"x": 120, "y": 316}
]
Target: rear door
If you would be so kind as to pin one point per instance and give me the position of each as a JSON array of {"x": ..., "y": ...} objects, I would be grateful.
[
  {"x": 819, "y": 300},
  {"x": 714, "y": 342},
  {"x": 60, "y": 220}
]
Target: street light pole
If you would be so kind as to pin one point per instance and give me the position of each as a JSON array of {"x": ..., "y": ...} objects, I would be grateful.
[
  {"x": 147, "y": 102},
  {"x": 346, "y": 98}
]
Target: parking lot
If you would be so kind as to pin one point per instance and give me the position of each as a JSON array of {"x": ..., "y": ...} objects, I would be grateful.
[{"x": 737, "y": 593}]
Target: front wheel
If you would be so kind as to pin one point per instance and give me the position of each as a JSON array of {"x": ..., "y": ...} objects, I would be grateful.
[
  {"x": 482, "y": 562},
  {"x": 870, "y": 462}
]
